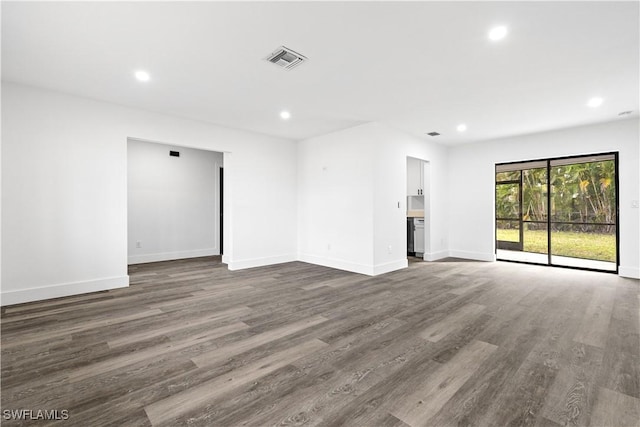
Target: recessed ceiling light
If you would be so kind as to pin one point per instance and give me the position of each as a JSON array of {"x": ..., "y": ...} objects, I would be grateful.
[
  {"x": 497, "y": 33},
  {"x": 285, "y": 115},
  {"x": 143, "y": 76},
  {"x": 461, "y": 127},
  {"x": 595, "y": 102}
]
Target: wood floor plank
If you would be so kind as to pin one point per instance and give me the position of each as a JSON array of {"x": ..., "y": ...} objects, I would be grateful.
[
  {"x": 35, "y": 306},
  {"x": 455, "y": 320},
  {"x": 595, "y": 324},
  {"x": 163, "y": 412},
  {"x": 83, "y": 399},
  {"x": 48, "y": 334},
  {"x": 425, "y": 402},
  {"x": 331, "y": 379},
  {"x": 128, "y": 359},
  {"x": 496, "y": 394},
  {"x": 212, "y": 358},
  {"x": 481, "y": 344},
  {"x": 615, "y": 409},
  {"x": 621, "y": 365},
  {"x": 570, "y": 399},
  {"x": 199, "y": 297},
  {"x": 178, "y": 326},
  {"x": 473, "y": 283}
]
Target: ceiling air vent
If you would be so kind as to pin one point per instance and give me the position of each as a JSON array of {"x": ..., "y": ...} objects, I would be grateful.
[
  {"x": 286, "y": 58},
  {"x": 433, "y": 134}
]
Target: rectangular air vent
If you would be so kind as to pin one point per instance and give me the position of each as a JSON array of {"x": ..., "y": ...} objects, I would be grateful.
[
  {"x": 286, "y": 58},
  {"x": 433, "y": 134}
]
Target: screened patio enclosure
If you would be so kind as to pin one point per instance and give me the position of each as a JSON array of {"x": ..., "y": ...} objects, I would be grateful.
[{"x": 561, "y": 211}]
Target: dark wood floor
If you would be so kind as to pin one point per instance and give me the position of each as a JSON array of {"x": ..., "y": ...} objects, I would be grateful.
[{"x": 442, "y": 343}]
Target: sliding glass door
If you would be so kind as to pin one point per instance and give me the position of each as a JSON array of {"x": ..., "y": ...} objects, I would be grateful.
[{"x": 558, "y": 212}]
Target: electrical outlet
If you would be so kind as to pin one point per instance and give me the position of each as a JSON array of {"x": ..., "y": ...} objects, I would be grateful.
[
  {"x": 389, "y": 249},
  {"x": 329, "y": 246},
  {"x": 138, "y": 244},
  {"x": 635, "y": 204}
]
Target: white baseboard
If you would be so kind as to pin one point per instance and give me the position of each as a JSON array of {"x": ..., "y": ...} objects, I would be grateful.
[
  {"x": 338, "y": 264},
  {"x": 477, "y": 256},
  {"x": 390, "y": 266},
  {"x": 168, "y": 256},
  {"x": 629, "y": 272},
  {"x": 259, "y": 262},
  {"x": 433, "y": 256},
  {"x": 63, "y": 290}
]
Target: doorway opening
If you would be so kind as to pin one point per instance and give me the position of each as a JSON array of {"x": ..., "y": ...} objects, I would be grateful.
[
  {"x": 174, "y": 202},
  {"x": 559, "y": 212},
  {"x": 418, "y": 212}
]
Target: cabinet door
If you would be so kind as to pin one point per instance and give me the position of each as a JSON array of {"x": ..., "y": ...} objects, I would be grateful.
[
  {"x": 418, "y": 240},
  {"x": 414, "y": 177}
]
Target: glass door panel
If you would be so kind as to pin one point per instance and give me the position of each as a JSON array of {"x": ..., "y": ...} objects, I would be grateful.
[
  {"x": 508, "y": 215},
  {"x": 583, "y": 213}
]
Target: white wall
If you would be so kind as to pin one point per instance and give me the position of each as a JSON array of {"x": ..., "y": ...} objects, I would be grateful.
[
  {"x": 350, "y": 184},
  {"x": 335, "y": 199},
  {"x": 472, "y": 181},
  {"x": 173, "y": 202},
  {"x": 64, "y": 191},
  {"x": 391, "y": 186}
]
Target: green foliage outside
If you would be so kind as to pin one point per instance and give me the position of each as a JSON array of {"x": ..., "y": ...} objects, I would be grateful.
[
  {"x": 596, "y": 246},
  {"x": 580, "y": 193}
]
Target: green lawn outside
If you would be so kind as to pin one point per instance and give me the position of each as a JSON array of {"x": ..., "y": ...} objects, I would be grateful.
[{"x": 596, "y": 246}]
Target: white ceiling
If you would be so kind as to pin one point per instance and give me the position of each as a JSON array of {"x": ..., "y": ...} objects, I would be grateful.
[{"x": 417, "y": 66}]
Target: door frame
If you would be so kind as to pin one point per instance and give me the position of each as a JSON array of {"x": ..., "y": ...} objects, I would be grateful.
[
  {"x": 548, "y": 161},
  {"x": 425, "y": 195},
  {"x": 509, "y": 245},
  {"x": 221, "y": 203}
]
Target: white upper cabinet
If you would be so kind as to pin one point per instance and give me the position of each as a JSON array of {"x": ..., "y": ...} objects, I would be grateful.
[{"x": 415, "y": 177}]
